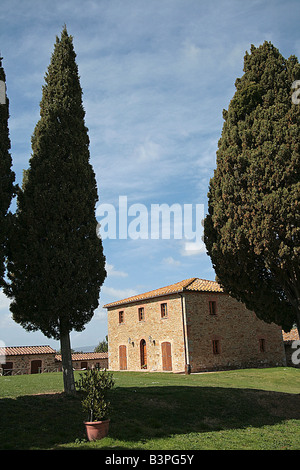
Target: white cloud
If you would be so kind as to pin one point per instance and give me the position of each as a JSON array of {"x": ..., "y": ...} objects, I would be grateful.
[
  {"x": 111, "y": 271},
  {"x": 148, "y": 151},
  {"x": 193, "y": 249},
  {"x": 5, "y": 315},
  {"x": 4, "y": 301},
  {"x": 171, "y": 261},
  {"x": 100, "y": 314},
  {"x": 191, "y": 51},
  {"x": 6, "y": 320},
  {"x": 118, "y": 294}
]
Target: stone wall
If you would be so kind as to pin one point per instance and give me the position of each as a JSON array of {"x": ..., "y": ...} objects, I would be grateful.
[
  {"x": 231, "y": 337},
  {"x": 21, "y": 364},
  {"x": 91, "y": 363},
  {"x": 153, "y": 329}
]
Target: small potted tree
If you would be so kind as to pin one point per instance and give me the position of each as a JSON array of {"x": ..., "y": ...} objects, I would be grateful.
[{"x": 93, "y": 384}]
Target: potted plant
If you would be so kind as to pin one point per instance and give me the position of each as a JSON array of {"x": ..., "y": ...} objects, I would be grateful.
[{"x": 93, "y": 384}]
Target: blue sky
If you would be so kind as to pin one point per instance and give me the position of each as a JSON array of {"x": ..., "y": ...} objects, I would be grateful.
[{"x": 156, "y": 75}]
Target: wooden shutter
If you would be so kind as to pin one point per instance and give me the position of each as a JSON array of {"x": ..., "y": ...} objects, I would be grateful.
[{"x": 166, "y": 356}]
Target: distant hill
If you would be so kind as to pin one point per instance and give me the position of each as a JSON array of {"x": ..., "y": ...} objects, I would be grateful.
[{"x": 85, "y": 348}]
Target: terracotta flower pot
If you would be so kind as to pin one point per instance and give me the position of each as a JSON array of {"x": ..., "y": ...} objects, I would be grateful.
[{"x": 96, "y": 430}]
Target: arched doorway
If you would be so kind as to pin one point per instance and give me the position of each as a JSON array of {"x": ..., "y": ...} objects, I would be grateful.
[{"x": 143, "y": 350}]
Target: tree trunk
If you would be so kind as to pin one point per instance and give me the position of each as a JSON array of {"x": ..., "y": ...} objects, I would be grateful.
[{"x": 67, "y": 366}]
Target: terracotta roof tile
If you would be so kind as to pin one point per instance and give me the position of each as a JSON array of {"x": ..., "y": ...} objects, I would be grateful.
[
  {"x": 193, "y": 283},
  {"x": 24, "y": 350},
  {"x": 85, "y": 356},
  {"x": 201, "y": 285}
]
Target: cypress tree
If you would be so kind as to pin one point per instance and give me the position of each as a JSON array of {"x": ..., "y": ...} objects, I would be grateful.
[
  {"x": 252, "y": 230},
  {"x": 7, "y": 176},
  {"x": 56, "y": 265}
]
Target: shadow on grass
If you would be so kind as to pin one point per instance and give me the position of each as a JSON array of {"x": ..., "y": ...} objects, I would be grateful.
[{"x": 45, "y": 421}]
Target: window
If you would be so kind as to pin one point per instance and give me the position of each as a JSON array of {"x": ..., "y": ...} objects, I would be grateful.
[
  {"x": 121, "y": 317},
  {"x": 141, "y": 314},
  {"x": 262, "y": 345},
  {"x": 163, "y": 310},
  {"x": 216, "y": 346},
  {"x": 212, "y": 307}
]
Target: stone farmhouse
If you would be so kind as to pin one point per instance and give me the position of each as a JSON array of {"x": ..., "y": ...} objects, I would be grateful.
[{"x": 189, "y": 326}]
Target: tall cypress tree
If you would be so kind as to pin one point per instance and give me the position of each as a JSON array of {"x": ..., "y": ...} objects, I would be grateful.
[
  {"x": 57, "y": 265},
  {"x": 7, "y": 176},
  {"x": 252, "y": 231}
]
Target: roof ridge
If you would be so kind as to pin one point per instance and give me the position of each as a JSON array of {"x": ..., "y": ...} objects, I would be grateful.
[
  {"x": 193, "y": 279},
  {"x": 189, "y": 280},
  {"x": 20, "y": 350},
  {"x": 175, "y": 288},
  {"x": 142, "y": 295},
  {"x": 85, "y": 355},
  {"x": 33, "y": 346}
]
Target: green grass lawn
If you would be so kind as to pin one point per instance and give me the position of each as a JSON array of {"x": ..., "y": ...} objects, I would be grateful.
[{"x": 245, "y": 409}]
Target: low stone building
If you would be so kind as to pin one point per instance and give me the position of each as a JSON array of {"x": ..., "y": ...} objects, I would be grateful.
[
  {"x": 192, "y": 326},
  {"x": 19, "y": 360},
  {"x": 88, "y": 360}
]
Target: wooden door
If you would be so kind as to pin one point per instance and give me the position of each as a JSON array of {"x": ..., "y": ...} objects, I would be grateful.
[
  {"x": 36, "y": 366},
  {"x": 122, "y": 357},
  {"x": 166, "y": 356},
  {"x": 143, "y": 350}
]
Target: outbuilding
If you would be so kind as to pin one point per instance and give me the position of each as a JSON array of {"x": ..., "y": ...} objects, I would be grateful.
[
  {"x": 19, "y": 360},
  {"x": 86, "y": 360}
]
